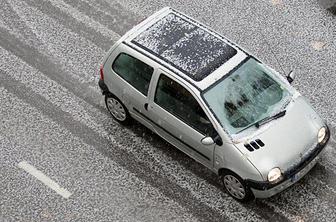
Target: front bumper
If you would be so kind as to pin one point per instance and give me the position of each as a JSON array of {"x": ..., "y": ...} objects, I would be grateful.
[
  {"x": 265, "y": 189},
  {"x": 285, "y": 183}
]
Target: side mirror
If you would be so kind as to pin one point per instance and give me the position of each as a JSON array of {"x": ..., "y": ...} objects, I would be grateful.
[
  {"x": 207, "y": 141},
  {"x": 218, "y": 140},
  {"x": 290, "y": 77}
]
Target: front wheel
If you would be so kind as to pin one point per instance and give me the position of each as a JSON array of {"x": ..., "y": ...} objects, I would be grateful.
[
  {"x": 236, "y": 187},
  {"x": 117, "y": 109}
]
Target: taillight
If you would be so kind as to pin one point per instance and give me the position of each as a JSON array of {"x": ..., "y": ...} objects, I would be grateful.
[{"x": 101, "y": 72}]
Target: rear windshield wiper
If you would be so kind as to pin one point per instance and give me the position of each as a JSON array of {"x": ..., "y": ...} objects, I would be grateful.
[{"x": 267, "y": 119}]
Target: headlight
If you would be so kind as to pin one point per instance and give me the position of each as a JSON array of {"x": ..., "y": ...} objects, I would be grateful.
[
  {"x": 321, "y": 134},
  {"x": 274, "y": 175}
]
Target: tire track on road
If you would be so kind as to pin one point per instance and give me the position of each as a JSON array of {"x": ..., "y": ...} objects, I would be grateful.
[
  {"x": 300, "y": 200},
  {"x": 71, "y": 23},
  {"x": 82, "y": 18},
  {"x": 110, "y": 6},
  {"x": 141, "y": 153},
  {"x": 120, "y": 21},
  {"x": 111, "y": 149},
  {"x": 80, "y": 167},
  {"x": 50, "y": 68},
  {"x": 14, "y": 24},
  {"x": 140, "y": 150},
  {"x": 323, "y": 173},
  {"x": 76, "y": 55}
]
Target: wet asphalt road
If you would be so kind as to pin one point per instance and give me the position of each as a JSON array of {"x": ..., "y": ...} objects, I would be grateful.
[{"x": 53, "y": 116}]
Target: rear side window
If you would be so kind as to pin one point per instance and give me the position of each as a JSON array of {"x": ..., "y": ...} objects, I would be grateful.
[
  {"x": 178, "y": 101},
  {"x": 134, "y": 71}
]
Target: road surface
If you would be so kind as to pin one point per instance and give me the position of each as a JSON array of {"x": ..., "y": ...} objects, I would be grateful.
[{"x": 63, "y": 158}]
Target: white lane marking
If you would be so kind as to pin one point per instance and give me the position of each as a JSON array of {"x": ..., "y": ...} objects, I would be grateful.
[
  {"x": 44, "y": 179},
  {"x": 318, "y": 45},
  {"x": 277, "y": 2}
]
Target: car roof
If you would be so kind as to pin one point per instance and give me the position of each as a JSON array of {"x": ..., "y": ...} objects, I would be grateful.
[{"x": 186, "y": 47}]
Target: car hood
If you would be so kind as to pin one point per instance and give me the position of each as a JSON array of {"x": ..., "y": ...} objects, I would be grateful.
[{"x": 286, "y": 140}]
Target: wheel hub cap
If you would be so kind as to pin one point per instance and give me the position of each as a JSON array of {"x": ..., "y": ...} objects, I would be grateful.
[
  {"x": 234, "y": 186},
  {"x": 116, "y": 109}
]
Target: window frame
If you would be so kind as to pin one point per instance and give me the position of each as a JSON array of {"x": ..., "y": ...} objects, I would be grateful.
[
  {"x": 213, "y": 130},
  {"x": 127, "y": 54}
]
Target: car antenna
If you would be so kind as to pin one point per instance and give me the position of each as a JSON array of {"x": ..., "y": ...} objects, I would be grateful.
[{"x": 270, "y": 48}]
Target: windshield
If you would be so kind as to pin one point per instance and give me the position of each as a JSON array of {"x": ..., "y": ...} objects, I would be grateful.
[{"x": 249, "y": 94}]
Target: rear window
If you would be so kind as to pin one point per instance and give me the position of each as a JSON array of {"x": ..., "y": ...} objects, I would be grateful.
[{"x": 133, "y": 71}]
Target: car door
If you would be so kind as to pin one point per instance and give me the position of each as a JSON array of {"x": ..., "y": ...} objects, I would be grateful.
[
  {"x": 178, "y": 117},
  {"x": 131, "y": 82}
]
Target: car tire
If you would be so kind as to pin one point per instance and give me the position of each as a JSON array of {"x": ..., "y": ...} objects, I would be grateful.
[
  {"x": 117, "y": 109},
  {"x": 236, "y": 187}
]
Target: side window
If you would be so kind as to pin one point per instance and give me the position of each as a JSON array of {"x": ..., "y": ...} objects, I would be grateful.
[
  {"x": 134, "y": 71},
  {"x": 174, "y": 98}
]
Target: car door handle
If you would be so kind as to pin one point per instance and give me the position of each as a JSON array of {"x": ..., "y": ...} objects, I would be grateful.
[{"x": 146, "y": 106}]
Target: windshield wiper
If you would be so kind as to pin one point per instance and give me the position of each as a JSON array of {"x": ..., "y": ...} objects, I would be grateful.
[{"x": 267, "y": 119}]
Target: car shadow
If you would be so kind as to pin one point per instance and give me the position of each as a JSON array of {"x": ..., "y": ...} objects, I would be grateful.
[
  {"x": 174, "y": 153},
  {"x": 329, "y": 5}
]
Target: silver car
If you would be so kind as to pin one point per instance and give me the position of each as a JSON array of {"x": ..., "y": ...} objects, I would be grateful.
[{"x": 215, "y": 102}]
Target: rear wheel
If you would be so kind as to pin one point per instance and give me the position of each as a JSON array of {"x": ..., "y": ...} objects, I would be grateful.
[
  {"x": 236, "y": 187},
  {"x": 117, "y": 109}
]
